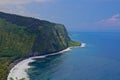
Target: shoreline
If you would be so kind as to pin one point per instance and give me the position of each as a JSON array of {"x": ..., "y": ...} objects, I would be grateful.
[{"x": 19, "y": 69}]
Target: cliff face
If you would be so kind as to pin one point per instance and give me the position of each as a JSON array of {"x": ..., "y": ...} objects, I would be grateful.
[
  {"x": 22, "y": 35},
  {"x": 25, "y": 36}
]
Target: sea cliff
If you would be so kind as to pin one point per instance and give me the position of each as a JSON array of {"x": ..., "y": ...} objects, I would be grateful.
[{"x": 22, "y": 37}]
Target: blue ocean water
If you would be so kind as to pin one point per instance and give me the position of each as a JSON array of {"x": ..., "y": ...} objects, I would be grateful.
[{"x": 99, "y": 60}]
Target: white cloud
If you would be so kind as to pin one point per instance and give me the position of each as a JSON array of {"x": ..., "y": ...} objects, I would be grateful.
[
  {"x": 18, "y": 9},
  {"x": 108, "y": 24},
  {"x": 112, "y": 21},
  {"x": 7, "y": 2}
]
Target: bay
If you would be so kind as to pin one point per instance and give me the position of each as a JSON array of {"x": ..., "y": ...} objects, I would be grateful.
[{"x": 99, "y": 60}]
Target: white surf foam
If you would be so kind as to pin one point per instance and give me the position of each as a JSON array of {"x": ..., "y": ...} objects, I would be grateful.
[
  {"x": 83, "y": 44},
  {"x": 19, "y": 71}
]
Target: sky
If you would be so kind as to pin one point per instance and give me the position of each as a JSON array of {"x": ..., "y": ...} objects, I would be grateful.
[{"x": 76, "y": 15}]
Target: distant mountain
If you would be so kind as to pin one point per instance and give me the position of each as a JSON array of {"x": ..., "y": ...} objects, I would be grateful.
[{"x": 22, "y": 37}]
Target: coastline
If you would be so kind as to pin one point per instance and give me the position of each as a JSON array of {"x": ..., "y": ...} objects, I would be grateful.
[{"x": 19, "y": 70}]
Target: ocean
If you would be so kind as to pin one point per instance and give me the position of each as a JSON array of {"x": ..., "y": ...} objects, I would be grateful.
[{"x": 98, "y": 60}]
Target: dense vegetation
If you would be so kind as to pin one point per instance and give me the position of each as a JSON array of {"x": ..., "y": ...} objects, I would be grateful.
[{"x": 22, "y": 37}]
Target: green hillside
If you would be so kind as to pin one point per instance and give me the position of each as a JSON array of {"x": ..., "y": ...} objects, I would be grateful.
[{"x": 22, "y": 37}]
